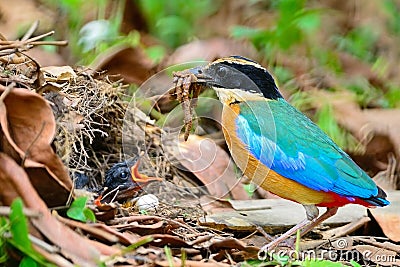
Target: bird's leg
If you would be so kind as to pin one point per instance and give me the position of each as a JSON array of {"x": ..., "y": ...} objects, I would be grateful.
[
  {"x": 312, "y": 215},
  {"x": 328, "y": 213}
]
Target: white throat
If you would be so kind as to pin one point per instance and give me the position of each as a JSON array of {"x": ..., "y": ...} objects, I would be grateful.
[{"x": 239, "y": 95}]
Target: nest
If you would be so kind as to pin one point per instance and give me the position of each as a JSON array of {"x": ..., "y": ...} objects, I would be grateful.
[
  {"x": 89, "y": 112},
  {"x": 89, "y": 116}
]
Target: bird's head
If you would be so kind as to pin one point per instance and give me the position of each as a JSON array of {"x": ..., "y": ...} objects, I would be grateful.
[
  {"x": 237, "y": 79},
  {"x": 124, "y": 179},
  {"x": 119, "y": 175}
]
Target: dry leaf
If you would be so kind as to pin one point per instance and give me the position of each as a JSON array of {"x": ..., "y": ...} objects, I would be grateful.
[
  {"x": 380, "y": 256},
  {"x": 211, "y": 165},
  {"x": 131, "y": 64},
  {"x": 15, "y": 183},
  {"x": 388, "y": 217},
  {"x": 22, "y": 13},
  {"x": 209, "y": 50},
  {"x": 161, "y": 240},
  {"x": 58, "y": 74},
  {"x": 28, "y": 127},
  {"x": 45, "y": 58},
  {"x": 190, "y": 263},
  {"x": 377, "y": 129}
]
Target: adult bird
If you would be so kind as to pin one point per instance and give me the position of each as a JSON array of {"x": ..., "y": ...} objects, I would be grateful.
[{"x": 280, "y": 149}]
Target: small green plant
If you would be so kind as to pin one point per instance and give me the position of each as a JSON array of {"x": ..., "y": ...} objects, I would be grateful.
[
  {"x": 392, "y": 98},
  {"x": 392, "y": 8},
  {"x": 359, "y": 42},
  {"x": 14, "y": 235},
  {"x": 321, "y": 263},
  {"x": 283, "y": 75},
  {"x": 250, "y": 189},
  {"x": 87, "y": 40},
  {"x": 168, "y": 255},
  {"x": 126, "y": 250},
  {"x": 144, "y": 212},
  {"x": 366, "y": 94},
  {"x": 295, "y": 23},
  {"x": 174, "y": 22},
  {"x": 78, "y": 211}
]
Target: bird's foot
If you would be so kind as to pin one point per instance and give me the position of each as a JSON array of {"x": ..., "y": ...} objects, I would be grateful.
[
  {"x": 270, "y": 248},
  {"x": 290, "y": 242}
]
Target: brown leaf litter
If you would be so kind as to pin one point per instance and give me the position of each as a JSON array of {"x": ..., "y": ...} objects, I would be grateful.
[{"x": 28, "y": 128}]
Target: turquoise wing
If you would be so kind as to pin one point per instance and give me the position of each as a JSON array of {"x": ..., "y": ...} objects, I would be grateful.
[{"x": 289, "y": 143}]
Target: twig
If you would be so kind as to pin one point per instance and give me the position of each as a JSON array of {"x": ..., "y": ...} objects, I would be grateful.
[
  {"x": 26, "y": 154},
  {"x": 379, "y": 245},
  {"x": 9, "y": 47},
  {"x": 5, "y": 211},
  {"x": 57, "y": 259},
  {"x": 152, "y": 217},
  {"x": 345, "y": 229},
  {"x": 42, "y": 244},
  {"x": 88, "y": 228},
  {"x": 31, "y": 30}
]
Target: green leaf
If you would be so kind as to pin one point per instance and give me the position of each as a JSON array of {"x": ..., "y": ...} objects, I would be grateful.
[
  {"x": 360, "y": 42},
  {"x": 78, "y": 211},
  {"x": 393, "y": 97},
  {"x": 282, "y": 74},
  {"x": 140, "y": 243},
  {"x": 355, "y": 264},
  {"x": 168, "y": 255},
  {"x": 28, "y": 262},
  {"x": 282, "y": 260},
  {"x": 156, "y": 53},
  {"x": 244, "y": 32},
  {"x": 20, "y": 236},
  {"x": 309, "y": 21},
  {"x": 288, "y": 8},
  {"x": 19, "y": 225},
  {"x": 95, "y": 32},
  {"x": 174, "y": 29},
  {"x": 250, "y": 189},
  {"x": 321, "y": 263},
  {"x": 89, "y": 215},
  {"x": 3, "y": 228}
]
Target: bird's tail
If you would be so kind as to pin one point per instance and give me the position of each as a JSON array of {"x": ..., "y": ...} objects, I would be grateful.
[{"x": 379, "y": 200}]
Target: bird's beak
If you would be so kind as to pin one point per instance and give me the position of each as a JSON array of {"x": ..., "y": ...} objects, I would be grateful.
[
  {"x": 141, "y": 178},
  {"x": 201, "y": 76}
]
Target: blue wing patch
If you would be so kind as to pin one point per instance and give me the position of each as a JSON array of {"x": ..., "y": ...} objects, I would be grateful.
[{"x": 293, "y": 146}]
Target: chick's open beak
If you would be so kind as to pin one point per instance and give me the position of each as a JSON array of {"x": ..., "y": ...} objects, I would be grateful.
[{"x": 141, "y": 178}]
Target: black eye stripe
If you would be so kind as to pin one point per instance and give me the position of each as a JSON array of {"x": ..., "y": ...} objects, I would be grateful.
[{"x": 257, "y": 75}]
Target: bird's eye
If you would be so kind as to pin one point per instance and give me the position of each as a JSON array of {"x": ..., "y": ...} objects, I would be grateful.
[
  {"x": 123, "y": 175},
  {"x": 221, "y": 72}
]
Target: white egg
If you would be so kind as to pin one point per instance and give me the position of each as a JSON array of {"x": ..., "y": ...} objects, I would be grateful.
[{"x": 147, "y": 202}]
